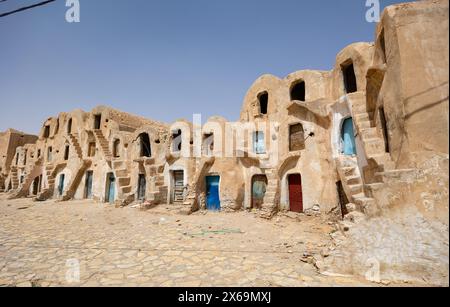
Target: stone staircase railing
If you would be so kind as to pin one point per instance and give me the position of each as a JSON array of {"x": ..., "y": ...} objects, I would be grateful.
[{"x": 104, "y": 144}]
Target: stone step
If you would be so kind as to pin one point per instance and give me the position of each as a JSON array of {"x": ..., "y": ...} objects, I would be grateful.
[
  {"x": 355, "y": 189},
  {"x": 374, "y": 146},
  {"x": 364, "y": 124},
  {"x": 354, "y": 180},
  {"x": 361, "y": 117},
  {"x": 126, "y": 190},
  {"x": 117, "y": 164},
  {"x": 369, "y": 133},
  {"x": 124, "y": 181},
  {"x": 122, "y": 173},
  {"x": 359, "y": 108}
]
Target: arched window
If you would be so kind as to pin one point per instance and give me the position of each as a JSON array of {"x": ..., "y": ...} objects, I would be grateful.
[
  {"x": 177, "y": 137},
  {"x": 263, "y": 99},
  {"x": 298, "y": 91},
  {"x": 69, "y": 126},
  {"x": 146, "y": 150},
  {"x": 348, "y": 71}
]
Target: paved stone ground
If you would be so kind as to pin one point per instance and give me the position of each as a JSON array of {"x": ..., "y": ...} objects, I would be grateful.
[{"x": 128, "y": 247}]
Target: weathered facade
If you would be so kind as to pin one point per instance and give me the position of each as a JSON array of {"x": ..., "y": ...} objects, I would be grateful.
[{"x": 367, "y": 140}]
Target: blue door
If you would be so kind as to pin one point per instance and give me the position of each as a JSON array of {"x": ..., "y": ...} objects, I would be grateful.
[
  {"x": 61, "y": 184},
  {"x": 111, "y": 188},
  {"x": 348, "y": 137},
  {"x": 212, "y": 193}
]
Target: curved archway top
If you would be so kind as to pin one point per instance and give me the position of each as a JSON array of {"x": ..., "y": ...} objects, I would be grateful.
[{"x": 289, "y": 162}]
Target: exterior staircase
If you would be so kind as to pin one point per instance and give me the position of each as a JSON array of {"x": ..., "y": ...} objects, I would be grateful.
[
  {"x": 272, "y": 196},
  {"x": 22, "y": 191},
  {"x": 48, "y": 191},
  {"x": 159, "y": 196},
  {"x": 76, "y": 145},
  {"x": 373, "y": 144},
  {"x": 104, "y": 144},
  {"x": 191, "y": 199},
  {"x": 51, "y": 172},
  {"x": 352, "y": 183},
  {"x": 73, "y": 185},
  {"x": 15, "y": 177},
  {"x": 123, "y": 182}
]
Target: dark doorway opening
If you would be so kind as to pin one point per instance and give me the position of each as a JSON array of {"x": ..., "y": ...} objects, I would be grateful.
[
  {"x": 295, "y": 193},
  {"x": 384, "y": 127},
  {"x": 177, "y": 141},
  {"x": 66, "y": 153},
  {"x": 383, "y": 47},
  {"x": 35, "y": 186},
  {"x": 97, "y": 121},
  {"x": 142, "y": 186},
  {"x": 298, "y": 91},
  {"x": 47, "y": 132},
  {"x": 61, "y": 184},
  {"x": 116, "y": 149},
  {"x": 263, "y": 99},
  {"x": 259, "y": 188},
  {"x": 146, "y": 150},
  {"x": 49, "y": 154},
  {"x": 349, "y": 78},
  {"x": 110, "y": 188},
  {"x": 69, "y": 126},
  {"x": 88, "y": 184}
]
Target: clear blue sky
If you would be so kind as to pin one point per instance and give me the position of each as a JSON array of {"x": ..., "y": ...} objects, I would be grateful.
[{"x": 163, "y": 59}]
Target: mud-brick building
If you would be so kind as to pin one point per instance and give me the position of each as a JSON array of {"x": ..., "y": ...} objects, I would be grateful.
[{"x": 10, "y": 155}]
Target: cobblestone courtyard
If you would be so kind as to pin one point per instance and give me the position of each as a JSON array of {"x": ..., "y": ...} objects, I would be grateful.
[{"x": 128, "y": 247}]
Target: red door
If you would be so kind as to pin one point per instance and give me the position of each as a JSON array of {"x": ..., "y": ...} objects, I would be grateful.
[{"x": 295, "y": 193}]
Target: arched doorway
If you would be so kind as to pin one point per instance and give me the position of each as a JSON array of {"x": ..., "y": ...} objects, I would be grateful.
[
  {"x": 295, "y": 193},
  {"x": 69, "y": 126},
  {"x": 259, "y": 188},
  {"x": 348, "y": 137},
  {"x": 146, "y": 150}
]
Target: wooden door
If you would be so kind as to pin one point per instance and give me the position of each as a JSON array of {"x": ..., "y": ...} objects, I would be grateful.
[
  {"x": 295, "y": 193},
  {"x": 178, "y": 183}
]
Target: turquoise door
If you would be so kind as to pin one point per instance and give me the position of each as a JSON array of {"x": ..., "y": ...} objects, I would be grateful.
[
  {"x": 348, "y": 138},
  {"x": 212, "y": 193},
  {"x": 61, "y": 184},
  {"x": 111, "y": 189}
]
